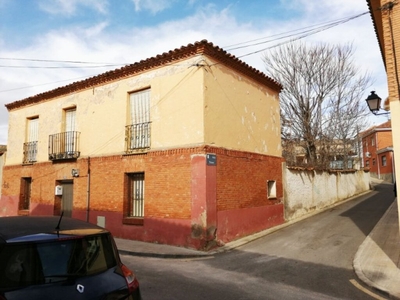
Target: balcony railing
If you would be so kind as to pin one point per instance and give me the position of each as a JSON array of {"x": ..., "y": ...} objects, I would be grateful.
[
  {"x": 30, "y": 152},
  {"x": 340, "y": 165},
  {"x": 137, "y": 137},
  {"x": 64, "y": 145}
]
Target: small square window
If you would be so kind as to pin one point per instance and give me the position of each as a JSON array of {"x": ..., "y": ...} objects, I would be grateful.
[
  {"x": 384, "y": 160},
  {"x": 271, "y": 189}
]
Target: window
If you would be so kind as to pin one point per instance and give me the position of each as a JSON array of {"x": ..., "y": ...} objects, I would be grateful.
[
  {"x": 138, "y": 132},
  {"x": 135, "y": 195},
  {"x": 65, "y": 145},
  {"x": 26, "y": 264},
  {"x": 30, "y": 147},
  {"x": 372, "y": 141},
  {"x": 25, "y": 193},
  {"x": 271, "y": 189},
  {"x": 70, "y": 115},
  {"x": 373, "y": 161},
  {"x": 384, "y": 160},
  {"x": 367, "y": 163}
]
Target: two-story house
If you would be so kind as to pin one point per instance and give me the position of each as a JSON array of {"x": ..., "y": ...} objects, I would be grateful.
[
  {"x": 377, "y": 147},
  {"x": 183, "y": 148}
]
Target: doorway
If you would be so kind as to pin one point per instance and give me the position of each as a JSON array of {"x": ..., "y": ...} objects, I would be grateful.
[{"x": 67, "y": 198}]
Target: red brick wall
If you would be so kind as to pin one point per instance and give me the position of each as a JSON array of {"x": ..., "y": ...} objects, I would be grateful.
[
  {"x": 384, "y": 139},
  {"x": 386, "y": 172},
  {"x": 239, "y": 182},
  {"x": 242, "y": 179}
]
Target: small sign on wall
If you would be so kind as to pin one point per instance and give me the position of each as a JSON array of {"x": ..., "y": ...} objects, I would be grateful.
[
  {"x": 211, "y": 160},
  {"x": 58, "y": 191}
]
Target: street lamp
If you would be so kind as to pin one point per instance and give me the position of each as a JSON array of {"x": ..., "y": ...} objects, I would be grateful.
[{"x": 374, "y": 104}]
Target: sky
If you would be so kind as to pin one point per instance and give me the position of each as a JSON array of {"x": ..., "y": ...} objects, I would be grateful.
[{"x": 45, "y": 44}]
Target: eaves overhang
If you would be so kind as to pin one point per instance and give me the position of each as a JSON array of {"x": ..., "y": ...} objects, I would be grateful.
[
  {"x": 374, "y": 130},
  {"x": 376, "y": 16},
  {"x": 385, "y": 150},
  {"x": 199, "y": 48}
]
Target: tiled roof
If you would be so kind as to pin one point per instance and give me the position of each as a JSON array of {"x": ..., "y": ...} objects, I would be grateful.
[
  {"x": 185, "y": 52},
  {"x": 387, "y": 125}
]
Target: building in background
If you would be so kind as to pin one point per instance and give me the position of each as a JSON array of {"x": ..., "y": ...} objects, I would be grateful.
[
  {"x": 378, "y": 155},
  {"x": 183, "y": 148}
]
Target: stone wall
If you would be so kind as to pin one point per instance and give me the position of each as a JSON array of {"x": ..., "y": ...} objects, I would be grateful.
[{"x": 307, "y": 192}]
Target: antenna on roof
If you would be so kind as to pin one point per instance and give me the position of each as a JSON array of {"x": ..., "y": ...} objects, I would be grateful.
[{"x": 58, "y": 225}]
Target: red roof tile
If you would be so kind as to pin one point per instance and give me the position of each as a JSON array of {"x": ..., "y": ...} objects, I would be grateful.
[{"x": 202, "y": 47}]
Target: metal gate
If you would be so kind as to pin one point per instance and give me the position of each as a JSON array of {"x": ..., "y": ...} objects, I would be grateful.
[{"x": 67, "y": 198}]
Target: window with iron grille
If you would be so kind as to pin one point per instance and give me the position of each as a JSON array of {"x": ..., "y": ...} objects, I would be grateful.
[
  {"x": 70, "y": 116},
  {"x": 138, "y": 131},
  {"x": 30, "y": 146},
  {"x": 135, "y": 197}
]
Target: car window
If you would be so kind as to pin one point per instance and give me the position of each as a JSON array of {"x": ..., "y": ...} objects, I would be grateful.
[
  {"x": 20, "y": 266},
  {"x": 27, "y": 264}
]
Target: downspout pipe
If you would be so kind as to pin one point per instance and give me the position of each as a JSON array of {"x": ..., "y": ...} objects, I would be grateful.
[
  {"x": 88, "y": 191},
  {"x": 377, "y": 155}
]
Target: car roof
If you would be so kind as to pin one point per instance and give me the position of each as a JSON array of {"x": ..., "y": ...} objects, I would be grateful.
[{"x": 18, "y": 227}]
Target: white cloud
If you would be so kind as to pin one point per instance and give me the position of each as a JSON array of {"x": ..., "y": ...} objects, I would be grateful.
[
  {"x": 3, "y": 133},
  {"x": 132, "y": 44},
  {"x": 69, "y": 7},
  {"x": 154, "y": 6},
  {"x": 326, "y": 9}
]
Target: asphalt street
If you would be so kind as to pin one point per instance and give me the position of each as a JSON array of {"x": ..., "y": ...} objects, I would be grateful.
[{"x": 311, "y": 259}]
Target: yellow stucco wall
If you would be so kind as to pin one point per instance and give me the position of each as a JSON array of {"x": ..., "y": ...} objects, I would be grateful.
[
  {"x": 240, "y": 113},
  {"x": 190, "y": 105}
]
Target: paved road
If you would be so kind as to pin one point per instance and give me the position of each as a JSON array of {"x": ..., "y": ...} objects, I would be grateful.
[{"x": 311, "y": 259}]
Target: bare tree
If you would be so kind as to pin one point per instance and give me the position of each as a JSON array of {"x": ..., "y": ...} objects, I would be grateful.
[{"x": 321, "y": 106}]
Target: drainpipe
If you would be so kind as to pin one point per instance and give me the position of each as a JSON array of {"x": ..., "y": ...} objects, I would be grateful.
[
  {"x": 377, "y": 155},
  {"x": 88, "y": 191},
  {"x": 393, "y": 169}
]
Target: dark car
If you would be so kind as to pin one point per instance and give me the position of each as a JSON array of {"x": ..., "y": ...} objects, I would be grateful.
[{"x": 61, "y": 258}]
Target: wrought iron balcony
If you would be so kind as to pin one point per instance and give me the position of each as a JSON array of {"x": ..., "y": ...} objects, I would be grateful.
[
  {"x": 137, "y": 137},
  {"x": 64, "y": 145},
  {"x": 30, "y": 152}
]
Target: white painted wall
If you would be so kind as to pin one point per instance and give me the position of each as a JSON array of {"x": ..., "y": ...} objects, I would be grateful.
[{"x": 307, "y": 192}]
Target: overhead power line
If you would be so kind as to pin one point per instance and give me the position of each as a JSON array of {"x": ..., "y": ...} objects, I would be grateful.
[
  {"x": 53, "y": 60},
  {"x": 61, "y": 67},
  {"x": 307, "y": 31},
  {"x": 292, "y": 35}
]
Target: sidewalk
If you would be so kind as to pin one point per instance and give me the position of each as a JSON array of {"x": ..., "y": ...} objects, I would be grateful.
[{"x": 376, "y": 262}]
